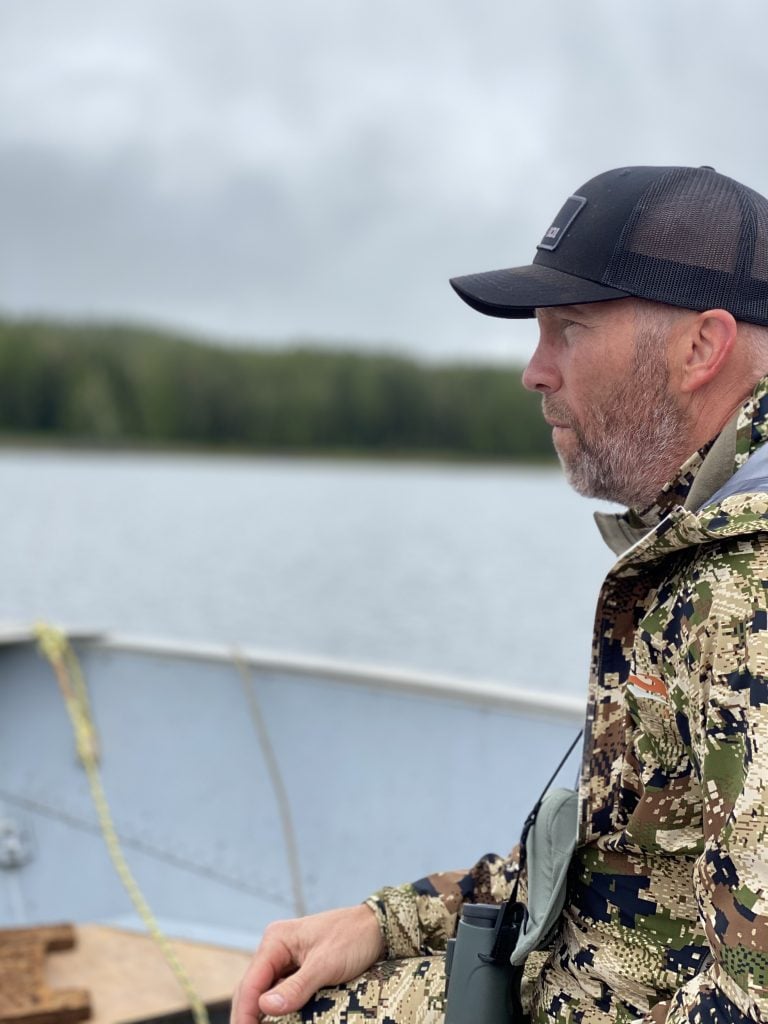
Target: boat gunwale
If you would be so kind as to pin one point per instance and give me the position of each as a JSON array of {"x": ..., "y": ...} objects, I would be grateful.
[
  {"x": 488, "y": 694},
  {"x": 485, "y": 693}
]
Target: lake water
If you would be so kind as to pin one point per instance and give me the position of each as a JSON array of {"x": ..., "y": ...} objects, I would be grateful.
[{"x": 482, "y": 572}]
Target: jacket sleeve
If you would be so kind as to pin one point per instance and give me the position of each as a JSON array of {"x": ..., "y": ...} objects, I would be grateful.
[
  {"x": 731, "y": 876},
  {"x": 418, "y": 918}
]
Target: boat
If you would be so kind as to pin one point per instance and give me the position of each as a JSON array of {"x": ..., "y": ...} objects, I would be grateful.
[{"x": 247, "y": 785}]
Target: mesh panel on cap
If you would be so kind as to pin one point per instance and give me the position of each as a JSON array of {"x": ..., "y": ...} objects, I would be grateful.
[
  {"x": 676, "y": 227},
  {"x": 760, "y": 262},
  {"x": 699, "y": 240}
]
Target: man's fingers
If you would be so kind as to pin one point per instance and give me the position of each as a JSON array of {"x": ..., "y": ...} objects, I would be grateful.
[
  {"x": 271, "y": 961},
  {"x": 243, "y": 1012},
  {"x": 245, "y": 1005},
  {"x": 296, "y": 958}
]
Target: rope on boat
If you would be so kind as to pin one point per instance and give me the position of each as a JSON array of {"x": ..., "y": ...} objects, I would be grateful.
[
  {"x": 278, "y": 785},
  {"x": 55, "y": 647}
]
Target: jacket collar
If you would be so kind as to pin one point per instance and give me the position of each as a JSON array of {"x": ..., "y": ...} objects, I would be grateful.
[{"x": 688, "y": 510}]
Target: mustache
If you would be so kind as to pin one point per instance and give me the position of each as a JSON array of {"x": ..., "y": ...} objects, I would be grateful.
[{"x": 552, "y": 409}]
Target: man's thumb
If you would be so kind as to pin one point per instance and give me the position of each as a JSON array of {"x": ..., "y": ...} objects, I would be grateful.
[{"x": 291, "y": 994}]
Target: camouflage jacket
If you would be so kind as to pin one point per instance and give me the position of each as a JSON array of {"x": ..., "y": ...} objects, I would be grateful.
[{"x": 667, "y": 910}]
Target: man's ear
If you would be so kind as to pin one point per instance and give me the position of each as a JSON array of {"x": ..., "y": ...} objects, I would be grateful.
[{"x": 706, "y": 344}]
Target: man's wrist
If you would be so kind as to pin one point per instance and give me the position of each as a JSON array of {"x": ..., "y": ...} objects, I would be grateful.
[{"x": 380, "y": 919}]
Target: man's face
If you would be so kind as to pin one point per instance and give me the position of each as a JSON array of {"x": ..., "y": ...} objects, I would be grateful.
[{"x": 603, "y": 375}]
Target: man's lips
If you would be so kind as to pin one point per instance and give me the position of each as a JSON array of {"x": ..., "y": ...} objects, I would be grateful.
[{"x": 556, "y": 418}]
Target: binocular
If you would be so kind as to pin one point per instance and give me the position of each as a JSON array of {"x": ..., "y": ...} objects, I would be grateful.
[{"x": 477, "y": 986}]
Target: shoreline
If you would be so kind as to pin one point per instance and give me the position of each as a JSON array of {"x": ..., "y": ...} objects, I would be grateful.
[{"x": 50, "y": 443}]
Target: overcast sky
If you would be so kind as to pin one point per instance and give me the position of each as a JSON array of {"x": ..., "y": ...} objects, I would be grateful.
[{"x": 274, "y": 169}]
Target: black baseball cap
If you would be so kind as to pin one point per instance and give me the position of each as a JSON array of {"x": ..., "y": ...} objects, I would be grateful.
[{"x": 686, "y": 236}]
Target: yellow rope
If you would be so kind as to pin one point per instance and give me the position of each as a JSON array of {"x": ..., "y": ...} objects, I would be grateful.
[{"x": 56, "y": 648}]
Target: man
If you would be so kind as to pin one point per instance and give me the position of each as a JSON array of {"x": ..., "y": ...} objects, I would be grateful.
[{"x": 651, "y": 294}]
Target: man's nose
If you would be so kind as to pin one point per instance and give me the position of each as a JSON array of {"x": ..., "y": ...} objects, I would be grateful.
[{"x": 541, "y": 374}]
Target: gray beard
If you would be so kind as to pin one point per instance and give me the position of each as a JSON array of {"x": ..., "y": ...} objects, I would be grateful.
[
  {"x": 628, "y": 465},
  {"x": 634, "y": 444}
]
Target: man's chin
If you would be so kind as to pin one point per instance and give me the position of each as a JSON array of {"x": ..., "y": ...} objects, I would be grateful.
[
  {"x": 567, "y": 447},
  {"x": 593, "y": 485},
  {"x": 578, "y": 481},
  {"x": 582, "y": 477},
  {"x": 562, "y": 436},
  {"x": 574, "y": 460}
]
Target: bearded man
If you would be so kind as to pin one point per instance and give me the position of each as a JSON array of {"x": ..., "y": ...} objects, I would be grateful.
[{"x": 651, "y": 293}]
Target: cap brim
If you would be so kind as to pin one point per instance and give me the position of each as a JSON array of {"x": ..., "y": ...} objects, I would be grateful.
[{"x": 516, "y": 293}]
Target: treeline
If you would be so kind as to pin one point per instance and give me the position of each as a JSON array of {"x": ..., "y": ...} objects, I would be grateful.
[{"x": 117, "y": 384}]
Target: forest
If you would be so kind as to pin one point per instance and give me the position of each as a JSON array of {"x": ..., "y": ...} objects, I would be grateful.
[{"x": 112, "y": 384}]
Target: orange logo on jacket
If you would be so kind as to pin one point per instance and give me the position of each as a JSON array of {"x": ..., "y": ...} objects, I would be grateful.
[{"x": 649, "y": 687}]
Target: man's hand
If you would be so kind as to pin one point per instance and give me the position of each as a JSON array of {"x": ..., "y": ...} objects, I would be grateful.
[{"x": 298, "y": 957}]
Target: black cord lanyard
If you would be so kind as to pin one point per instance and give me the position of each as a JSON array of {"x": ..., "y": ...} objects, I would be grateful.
[{"x": 510, "y": 920}]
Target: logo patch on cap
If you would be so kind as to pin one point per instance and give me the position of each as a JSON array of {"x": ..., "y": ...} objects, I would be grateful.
[{"x": 571, "y": 209}]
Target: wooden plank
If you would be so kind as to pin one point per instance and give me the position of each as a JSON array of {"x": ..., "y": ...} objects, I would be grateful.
[
  {"x": 53, "y": 936},
  {"x": 25, "y": 997},
  {"x": 64, "y": 1007},
  {"x": 129, "y": 980}
]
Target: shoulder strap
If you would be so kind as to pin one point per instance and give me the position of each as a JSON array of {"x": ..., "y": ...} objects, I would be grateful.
[{"x": 510, "y": 920}]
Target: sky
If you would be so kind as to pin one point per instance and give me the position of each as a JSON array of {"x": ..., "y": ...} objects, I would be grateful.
[{"x": 267, "y": 171}]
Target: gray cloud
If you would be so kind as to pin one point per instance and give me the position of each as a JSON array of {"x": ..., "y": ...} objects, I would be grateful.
[{"x": 318, "y": 170}]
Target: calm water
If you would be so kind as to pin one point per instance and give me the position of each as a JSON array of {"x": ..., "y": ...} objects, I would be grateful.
[{"x": 480, "y": 572}]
